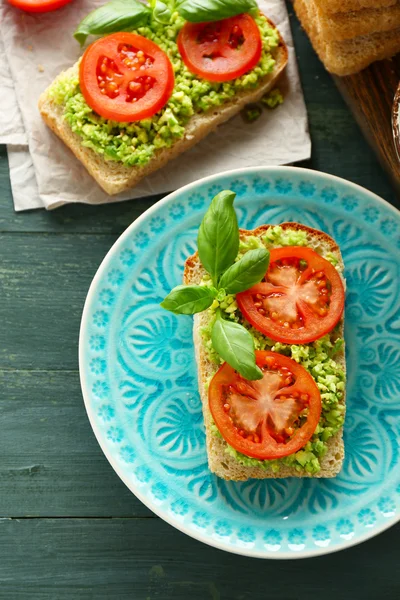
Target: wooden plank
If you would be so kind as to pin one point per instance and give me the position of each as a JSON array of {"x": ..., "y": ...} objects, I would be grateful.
[
  {"x": 369, "y": 95},
  {"x": 51, "y": 463},
  {"x": 78, "y": 218},
  {"x": 44, "y": 281},
  {"x": 145, "y": 559}
]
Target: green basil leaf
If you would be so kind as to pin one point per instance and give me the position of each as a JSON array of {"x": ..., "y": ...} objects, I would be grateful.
[
  {"x": 246, "y": 272},
  {"x": 218, "y": 238},
  {"x": 161, "y": 12},
  {"x": 189, "y": 299},
  {"x": 198, "y": 11},
  {"x": 118, "y": 15},
  {"x": 236, "y": 346}
]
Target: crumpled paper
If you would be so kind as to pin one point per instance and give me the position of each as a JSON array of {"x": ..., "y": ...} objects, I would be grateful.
[{"x": 43, "y": 171}]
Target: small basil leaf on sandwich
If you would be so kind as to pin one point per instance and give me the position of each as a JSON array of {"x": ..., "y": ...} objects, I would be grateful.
[
  {"x": 118, "y": 15},
  {"x": 189, "y": 299},
  {"x": 235, "y": 345},
  {"x": 246, "y": 272},
  {"x": 161, "y": 11},
  {"x": 199, "y": 11}
]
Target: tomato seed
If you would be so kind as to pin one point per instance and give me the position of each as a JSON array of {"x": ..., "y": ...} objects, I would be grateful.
[
  {"x": 256, "y": 439},
  {"x": 226, "y": 407}
]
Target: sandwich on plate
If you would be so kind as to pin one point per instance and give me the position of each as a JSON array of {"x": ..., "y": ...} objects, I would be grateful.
[
  {"x": 268, "y": 310},
  {"x": 167, "y": 74}
]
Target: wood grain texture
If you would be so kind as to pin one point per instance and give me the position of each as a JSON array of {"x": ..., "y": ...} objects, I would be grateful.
[
  {"x": 50, "y": 462},
  {"x": 45, "y": 279},
  {"x": 370, "y": 95},
  {"x": 146, "y": 559}
]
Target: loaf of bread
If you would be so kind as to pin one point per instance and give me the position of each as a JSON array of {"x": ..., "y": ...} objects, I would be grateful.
[
  {"x": 350, "y": 55},
  {"x": 331, "y": 7},
  {"x": 220, "y": 462},
  {"x": 344, "y": 26}
]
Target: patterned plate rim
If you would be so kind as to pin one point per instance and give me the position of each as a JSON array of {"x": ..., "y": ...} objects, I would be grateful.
[{"x": 276, "y": 170}]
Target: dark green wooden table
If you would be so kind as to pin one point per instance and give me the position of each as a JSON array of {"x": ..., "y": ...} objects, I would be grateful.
[{"x": 69, "y": 528}]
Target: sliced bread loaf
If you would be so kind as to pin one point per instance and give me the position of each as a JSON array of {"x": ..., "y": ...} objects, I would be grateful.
[
  {"x": 330, "y": 7},
  {"x": 220, "y": 461},
  {"x": 347, "y": 56},
  {"x": 344, "y": 26},
  {"x": 114, "y": 177}
]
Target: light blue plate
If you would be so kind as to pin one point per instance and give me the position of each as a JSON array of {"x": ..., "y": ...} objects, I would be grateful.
[{"x": 138, "y": 372}]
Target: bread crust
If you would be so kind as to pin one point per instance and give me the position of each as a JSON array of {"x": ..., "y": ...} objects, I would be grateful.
[
  {"x": 332, "y": 7},
  {"x": 219, "y": 461},
  {"x": 349, "y": 25},
  {"x": 348, "y": 56},
  {"x": 114, "y": 177}
]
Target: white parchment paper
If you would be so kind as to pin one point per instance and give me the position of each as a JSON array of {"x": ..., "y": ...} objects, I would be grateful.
[{"x": 45, "y": 173}]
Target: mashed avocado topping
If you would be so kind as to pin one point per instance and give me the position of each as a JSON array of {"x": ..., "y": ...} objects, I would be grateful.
[
  {"x": 318, "y": 358},
  {"x": 135, "y": 143},
  {"x": 273, "y": 99}
]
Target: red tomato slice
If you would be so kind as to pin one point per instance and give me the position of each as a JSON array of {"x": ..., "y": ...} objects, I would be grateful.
[
  {"x": 126, "y": 77},
  {"x": 300, "y": 300},
  {"x": 221, "y": 50},
  {"x": 269, "y": 418},
  {"x": 38, "y": 6}
]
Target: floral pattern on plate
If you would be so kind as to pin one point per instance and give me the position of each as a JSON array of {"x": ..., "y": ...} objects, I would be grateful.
[{"x": 139, "y": 375}]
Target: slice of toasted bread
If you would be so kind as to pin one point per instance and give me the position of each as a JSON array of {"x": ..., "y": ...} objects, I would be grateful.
[
  {"x": 345, "y": 26},
  {"x": 330, "y": 7},
  {"x": 348, "y": 56},
  {"x": 220, "y": 462},
  {"x": 114, "y": 177}
]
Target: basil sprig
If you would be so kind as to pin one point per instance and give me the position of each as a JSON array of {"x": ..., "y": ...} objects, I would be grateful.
[
  {"x": 218, "y": 246},
  {"x": 117, "y": 15},
  {"x": 198, "y": 11},
  {"x": 126, "y": 15}
]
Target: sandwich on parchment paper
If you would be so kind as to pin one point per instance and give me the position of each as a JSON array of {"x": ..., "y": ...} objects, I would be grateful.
[
  {"x": 137, "y": 100},
  {"x": 268, "y": 333}
]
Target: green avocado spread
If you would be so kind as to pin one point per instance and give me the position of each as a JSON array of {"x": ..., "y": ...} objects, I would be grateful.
[
  {"x": 318, "y": 358},
  {"x": 135, "y": 143}
]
